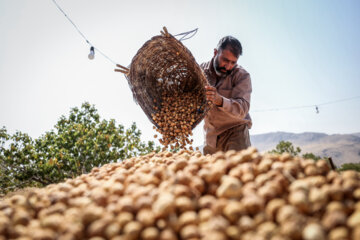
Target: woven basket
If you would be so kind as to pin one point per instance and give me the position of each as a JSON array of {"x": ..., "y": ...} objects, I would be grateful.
[{"x": 164, "y": 65}]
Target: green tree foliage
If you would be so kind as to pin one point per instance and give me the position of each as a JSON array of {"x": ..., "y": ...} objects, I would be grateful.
[
  {"x": 78, "y": 143},
  {"x": 311, "y": 156},
  {"x": 286, "y": 146},
  {"x": 350, "y": 166}
]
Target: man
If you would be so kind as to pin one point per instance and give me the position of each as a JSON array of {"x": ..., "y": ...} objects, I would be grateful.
[{"x": 227, "y": 123}]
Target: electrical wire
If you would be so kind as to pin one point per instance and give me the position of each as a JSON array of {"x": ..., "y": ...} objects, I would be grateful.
[
  {"x": 307, "y": 106},
  {"x": 184, "y": 34},
  {"x": 78, "y": 30}
]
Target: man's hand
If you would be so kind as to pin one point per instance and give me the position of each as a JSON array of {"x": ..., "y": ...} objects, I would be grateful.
[{"x": 213, "y": 96}]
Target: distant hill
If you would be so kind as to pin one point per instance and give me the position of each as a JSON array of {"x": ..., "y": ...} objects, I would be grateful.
[
  {"x": 343, "y": 148},
  {"x": 357, "y": 134}
]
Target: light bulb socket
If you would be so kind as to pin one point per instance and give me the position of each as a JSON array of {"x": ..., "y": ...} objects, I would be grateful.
[{"x": 92, "y": 53}]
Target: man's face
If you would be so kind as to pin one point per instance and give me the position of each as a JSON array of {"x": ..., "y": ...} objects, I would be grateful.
[{"x": 224, "y": 62}]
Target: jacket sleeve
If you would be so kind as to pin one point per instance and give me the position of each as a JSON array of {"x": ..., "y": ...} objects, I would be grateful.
[{"x": 239, "y": 103}]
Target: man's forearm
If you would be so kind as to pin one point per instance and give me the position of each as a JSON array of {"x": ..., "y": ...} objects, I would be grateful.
[{"x": 238, "y": 107}]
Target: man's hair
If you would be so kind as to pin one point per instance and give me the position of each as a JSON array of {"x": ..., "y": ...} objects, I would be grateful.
[{"x": 230, "y": 43}]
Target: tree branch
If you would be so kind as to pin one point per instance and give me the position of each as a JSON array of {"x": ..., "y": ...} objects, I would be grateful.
[{"x": 39, "y": 180}]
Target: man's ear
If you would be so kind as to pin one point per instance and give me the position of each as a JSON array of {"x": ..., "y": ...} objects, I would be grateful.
[{"x": 215, "y": 52}]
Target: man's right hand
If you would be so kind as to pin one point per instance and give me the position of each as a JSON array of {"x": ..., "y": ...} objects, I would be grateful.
[{"x": 213, "y": 96}]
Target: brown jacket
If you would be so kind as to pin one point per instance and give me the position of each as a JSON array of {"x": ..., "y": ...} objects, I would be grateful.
[{"x": 236, "y": 90}]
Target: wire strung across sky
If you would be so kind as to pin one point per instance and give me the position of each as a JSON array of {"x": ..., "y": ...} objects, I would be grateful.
[
  {"x": 188, "y": 35},
  {"x": 185, "y": 35},
  {"x": 87, "y": 41},
  {"x": 316, "y": 106}
]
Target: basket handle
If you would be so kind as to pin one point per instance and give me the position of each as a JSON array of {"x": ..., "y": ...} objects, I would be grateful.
[
  {"x": 165, "y": 33},
  {"x": 122, "y": 69}
]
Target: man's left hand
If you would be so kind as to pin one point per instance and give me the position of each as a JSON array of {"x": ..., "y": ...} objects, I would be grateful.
[{"x": 213, "y": 96}]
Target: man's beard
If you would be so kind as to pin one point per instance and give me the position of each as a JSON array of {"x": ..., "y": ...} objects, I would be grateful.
[{"x": 219, "y": 70}]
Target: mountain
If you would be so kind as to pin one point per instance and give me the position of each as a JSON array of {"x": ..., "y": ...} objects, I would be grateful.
[
  {"x": 342, "y": 148},
  {"x": 357, "y": 134}
]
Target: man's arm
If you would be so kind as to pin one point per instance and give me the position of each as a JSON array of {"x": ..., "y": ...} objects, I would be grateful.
[{"x": 239, "y": 104}]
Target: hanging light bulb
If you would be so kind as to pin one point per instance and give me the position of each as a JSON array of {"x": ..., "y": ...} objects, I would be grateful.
[{"x": 92, "y": 53}]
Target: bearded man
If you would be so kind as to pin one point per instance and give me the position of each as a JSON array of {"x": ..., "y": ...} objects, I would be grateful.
[{"x": 227, "y": 124}]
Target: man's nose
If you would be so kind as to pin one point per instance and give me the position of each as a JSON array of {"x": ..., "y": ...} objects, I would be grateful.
[{"x": 228, "y": 66}]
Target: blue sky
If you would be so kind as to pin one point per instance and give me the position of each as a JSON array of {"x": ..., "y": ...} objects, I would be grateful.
[{"x": 298, "y": 53}]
